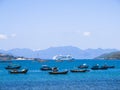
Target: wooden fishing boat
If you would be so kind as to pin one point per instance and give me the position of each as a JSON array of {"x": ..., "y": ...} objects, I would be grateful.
[
  {"x": 97, "y": 67},
  {"x": 111, "y": 66},
  {"x": 13, "y": 67},
  {"x": 45, "y": 68},
  {"x": 23, "y": 71},
  {"x": 59, "y": 72},
  {"x": 103, "y": 68},
  {"x": 77, "y": 70},
  {"x": 83, "y": 66},
  {"x": 107, "y": 66}
]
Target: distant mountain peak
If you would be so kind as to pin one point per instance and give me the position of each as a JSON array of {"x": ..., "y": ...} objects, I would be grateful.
[{"x": 63, "y": 50}]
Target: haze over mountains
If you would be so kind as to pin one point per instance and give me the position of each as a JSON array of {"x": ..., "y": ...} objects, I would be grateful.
[{"x": 52, "y": 51}]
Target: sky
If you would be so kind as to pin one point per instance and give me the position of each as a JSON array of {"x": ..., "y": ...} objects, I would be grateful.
[{"x": 40, "y": 24}]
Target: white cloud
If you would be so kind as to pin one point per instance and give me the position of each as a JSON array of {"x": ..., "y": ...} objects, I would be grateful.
[
  {"x": 2, "y": 36},
  {"x": 13, "y": 35},
  {"x": 86, "y": 33}
]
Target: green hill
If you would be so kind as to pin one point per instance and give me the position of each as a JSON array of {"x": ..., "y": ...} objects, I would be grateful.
[{"x": 113, "y": 55}]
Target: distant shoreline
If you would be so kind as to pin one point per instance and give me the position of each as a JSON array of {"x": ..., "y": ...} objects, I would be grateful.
[{"x": 45, "y": 60}]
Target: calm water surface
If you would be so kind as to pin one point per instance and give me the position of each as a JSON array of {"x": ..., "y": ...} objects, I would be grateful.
[{"x": 36, "y": 79}]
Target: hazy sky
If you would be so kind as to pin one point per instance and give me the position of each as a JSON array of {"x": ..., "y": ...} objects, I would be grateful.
[{"x": 39, "y": 24}]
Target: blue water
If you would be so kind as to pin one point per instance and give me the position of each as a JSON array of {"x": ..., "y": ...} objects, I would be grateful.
[{"x": 36, "y": 79}]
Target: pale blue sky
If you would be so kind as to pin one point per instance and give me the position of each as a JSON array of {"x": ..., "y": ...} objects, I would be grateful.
[{"x": 39, "y": 24}]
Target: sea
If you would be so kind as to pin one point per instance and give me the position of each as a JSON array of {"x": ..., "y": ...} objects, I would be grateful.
[{"x": 35, "y": 79}]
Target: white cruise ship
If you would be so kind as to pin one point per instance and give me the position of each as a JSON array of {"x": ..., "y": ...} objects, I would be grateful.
[{"x": 63, "y": 57}]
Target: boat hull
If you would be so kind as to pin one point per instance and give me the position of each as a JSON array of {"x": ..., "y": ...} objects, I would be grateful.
[
  {"x": 18, "y": 71},
  {"x": 45, "y": 69},
  {"x": 63, "y": 72},
  {"x": 82, "y": 67},
  {"x": 101, "y": 68},
  {"x": 79, "y": 70},
  {"x": 16, "y": 67}
]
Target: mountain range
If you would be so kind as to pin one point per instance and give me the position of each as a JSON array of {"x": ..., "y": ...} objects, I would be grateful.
[{"x": 52, "y": 51}]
